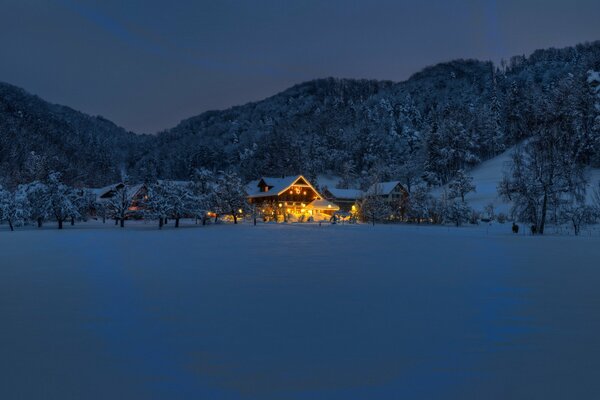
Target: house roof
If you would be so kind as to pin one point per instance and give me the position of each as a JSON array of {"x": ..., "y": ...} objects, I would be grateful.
[
  {"x": 131, "y": 191},
  {"x": 348, "y": 194},
  {"x": 383, "y": 188},
  {"x": 276, "y": 186}
]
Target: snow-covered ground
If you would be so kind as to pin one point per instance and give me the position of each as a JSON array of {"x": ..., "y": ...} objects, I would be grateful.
[{"x": 298, "y": 312}]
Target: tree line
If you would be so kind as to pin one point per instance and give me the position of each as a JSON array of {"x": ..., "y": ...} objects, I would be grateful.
[{"x": 51, "y": 200}]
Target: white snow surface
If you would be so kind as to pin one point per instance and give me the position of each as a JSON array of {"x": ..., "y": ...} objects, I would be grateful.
[{"x": 298, "y": 311}]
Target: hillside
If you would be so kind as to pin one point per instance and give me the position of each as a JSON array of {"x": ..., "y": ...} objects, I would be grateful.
[
  {"x": 487, "y": 175},
  {"x": 37, "y": 137},
  {"x": 449, "y": 116}
]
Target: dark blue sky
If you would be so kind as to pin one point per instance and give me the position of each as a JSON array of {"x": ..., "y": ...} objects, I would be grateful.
[{"x": 147, "y": 64}]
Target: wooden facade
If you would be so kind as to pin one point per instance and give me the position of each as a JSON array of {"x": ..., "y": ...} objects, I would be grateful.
[{"x": 280, "y": 198}]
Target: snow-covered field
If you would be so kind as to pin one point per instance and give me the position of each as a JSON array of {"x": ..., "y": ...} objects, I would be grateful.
[{"x": 298, "y": 312}]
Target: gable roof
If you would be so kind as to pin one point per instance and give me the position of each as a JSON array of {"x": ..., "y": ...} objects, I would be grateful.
[
  {"x": 346, "y": 194},
  {"x": 104, "y": 193},
  {"x": 383, "y": 188},
  {"x": 276, "y": 186}
]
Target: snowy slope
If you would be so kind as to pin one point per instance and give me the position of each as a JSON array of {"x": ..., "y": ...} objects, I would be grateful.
[{"x": 487, "y": 176}]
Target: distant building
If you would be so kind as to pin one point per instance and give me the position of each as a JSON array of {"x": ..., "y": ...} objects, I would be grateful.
[
  {"x": 346, "y": 199},
  {"x": 136, "y": 194},
  {"x": 389, "y": 191},
  {"x": 278, "y": 198}
]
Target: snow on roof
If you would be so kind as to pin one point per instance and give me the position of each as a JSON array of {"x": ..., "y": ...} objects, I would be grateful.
[
  {"x": 350, "y": 194},
  {"x": 383, "y": 188},
  {"x": 132, "y": 190},
  {"x": 322, "y": 204},
  {"x": 276, "y": 185}
]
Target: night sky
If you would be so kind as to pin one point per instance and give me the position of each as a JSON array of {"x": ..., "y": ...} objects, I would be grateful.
[{"x": 147, "y": 64}]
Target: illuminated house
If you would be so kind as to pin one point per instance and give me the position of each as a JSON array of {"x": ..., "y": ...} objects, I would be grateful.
[{"x": 289, "y": 197}]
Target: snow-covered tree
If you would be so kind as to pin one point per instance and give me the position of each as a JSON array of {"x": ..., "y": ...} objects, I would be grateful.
[
  {"x": 230, "y": 195},
  {"x": 118, "y": 205},
  {"x": 450, "y": 148},
  {"x": 542, "y": 173},
  {"x": 204, "y": 183},
  {"x": 457, "y": 211},
  {"x": 37, "y": 196},
  {"x": 157, "y": 203},
  {"x": 460, "y": 185},
  {"x": 418, "y": 204},
  {"x": 181, "y": 200},
  {"x": 14, "y": 207},
  {"x": 373, "y": 207},
  {"x": 59, "y": 200},
  {"x": 578, "y": 214}
]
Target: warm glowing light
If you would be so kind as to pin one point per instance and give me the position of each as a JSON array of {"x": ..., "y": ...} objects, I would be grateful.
[
  {"x": 303, "y": 205},
  {"x": 280, "y": 205},
  {"x": 240, "y": 210},
  {"x": 328, "y": 205},
  {"x": 353, "y": 208},
  {"x": 304, "y": 192}
]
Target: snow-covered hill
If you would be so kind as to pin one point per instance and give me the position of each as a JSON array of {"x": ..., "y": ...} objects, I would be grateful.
[{"x": 487, "y": 176}]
